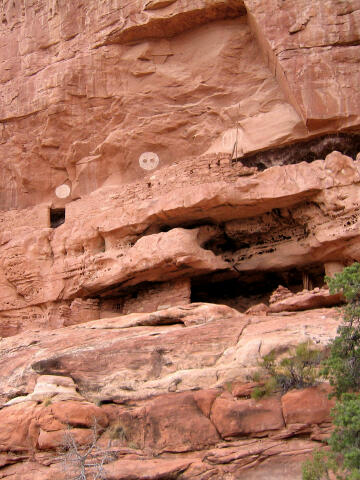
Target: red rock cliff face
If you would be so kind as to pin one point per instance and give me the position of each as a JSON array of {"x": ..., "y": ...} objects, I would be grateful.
[
  {"x": 88, "y": 87},
  {"x": 165, "y": 166}
]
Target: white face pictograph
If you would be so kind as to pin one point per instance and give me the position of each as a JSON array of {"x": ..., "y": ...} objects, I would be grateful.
[
  {"x": 148, "y": 160},
  {"x": 62, "y": 191}
]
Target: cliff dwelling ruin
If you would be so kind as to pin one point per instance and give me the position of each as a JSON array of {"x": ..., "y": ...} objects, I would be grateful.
[{"x": 177, "y": 178}]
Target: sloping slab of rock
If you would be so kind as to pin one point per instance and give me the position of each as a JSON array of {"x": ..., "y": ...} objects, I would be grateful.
[
  {"x": 181, "y": 16},
  {"x": 306, "y": 300},
  {"x": 48, "y": 387},
  {"x": 146, "y": 469},
  {"x": 187, "y": 315},
  {"x": 108, "y": 361}
]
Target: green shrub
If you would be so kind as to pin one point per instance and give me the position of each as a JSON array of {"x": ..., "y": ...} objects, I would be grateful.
[
  {"x": 265, "y": 390},
  {"x": 345, "y": 440},
  {"x": 257, "y": 393},
  {"x": 343, "y": 459},
  {"x": 299, "y": 369},
  {"x": 342, "y": 368},
  {"x": 256, "y": 377},
  {"x": 318, "y": 467},
  {"x": 228, "y": 386}
]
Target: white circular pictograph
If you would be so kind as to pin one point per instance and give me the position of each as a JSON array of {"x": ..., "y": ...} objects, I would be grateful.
[
  {"x": 149, "y": 160},
  {"x": 62, "y": 191}
]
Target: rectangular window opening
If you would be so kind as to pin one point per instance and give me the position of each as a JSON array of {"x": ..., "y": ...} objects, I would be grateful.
[{"x": 57, "y": 217}]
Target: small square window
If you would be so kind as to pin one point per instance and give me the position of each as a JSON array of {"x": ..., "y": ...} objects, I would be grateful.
[{"x": 57, "y": 217}]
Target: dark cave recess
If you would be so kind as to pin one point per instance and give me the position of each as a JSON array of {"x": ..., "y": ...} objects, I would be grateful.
[
  {"x": 305, "y": 151},
  {"x": 241, "y": 291}
]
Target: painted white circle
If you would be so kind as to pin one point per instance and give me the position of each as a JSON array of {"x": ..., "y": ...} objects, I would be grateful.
[
  {"x": 62, "y": 191},
  {"x": 148, "y": 160}
]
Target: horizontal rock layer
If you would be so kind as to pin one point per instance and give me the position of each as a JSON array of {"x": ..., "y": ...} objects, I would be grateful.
[
  {"x": 167, "y": 392},
  {"x": 166, "y": 166},
  {"x": 111, "y": 247},
  {"x": 139, "y": 355}
]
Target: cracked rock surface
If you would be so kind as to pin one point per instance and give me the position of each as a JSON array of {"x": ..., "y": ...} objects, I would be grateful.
[{"x": 176, "y": 179}]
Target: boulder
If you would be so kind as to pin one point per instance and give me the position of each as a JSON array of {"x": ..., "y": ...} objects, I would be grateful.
[
  {"x": 306, "y": 300},
  {"x": 246, "y": 417},
  {"x": 15, "y": 433},
  {"x": 308, "y": 406}
]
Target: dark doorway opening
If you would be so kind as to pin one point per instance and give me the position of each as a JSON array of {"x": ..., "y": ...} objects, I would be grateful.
[{"x": 57, "y": 217}]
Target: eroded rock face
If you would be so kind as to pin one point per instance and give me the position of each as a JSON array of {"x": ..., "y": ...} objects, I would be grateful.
[
  {"x": 125, "y": 215},
  {"x": 285, "y": 223},
  {"x": 311, "y": 47},
  {"x": 163, "y": 383},
  {"x": 86, "y": 88},
  {"x": 166, "y": 166},
  {"x": 139, "y": 355},
  {"x": 86, "y": 105},
  {"x": 150, "y": 376},
  {"x": 306, "y": 300}
]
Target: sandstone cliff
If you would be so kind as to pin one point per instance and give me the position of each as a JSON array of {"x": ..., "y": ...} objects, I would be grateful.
[{"x": 177, "y": 177}]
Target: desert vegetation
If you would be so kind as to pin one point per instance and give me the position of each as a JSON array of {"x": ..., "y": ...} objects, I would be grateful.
[
  {"x": 84, "y": 462},
  {"x": 342, "y": 369},
  {"x": 299, "y": 368}
]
